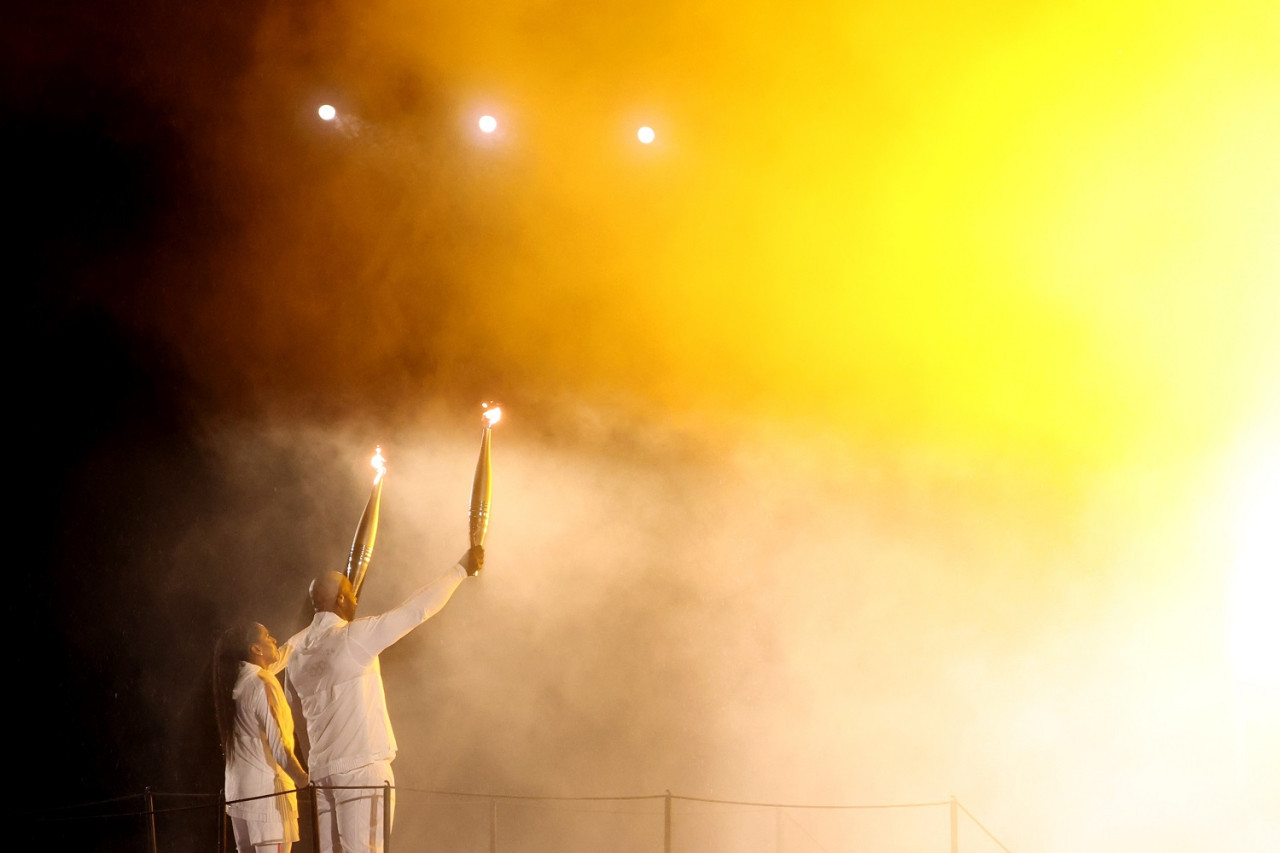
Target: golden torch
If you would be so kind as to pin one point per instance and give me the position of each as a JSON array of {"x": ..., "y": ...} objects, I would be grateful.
[
  {"x": 362, "y": 545},
  {"x": 482, "y": 486}
]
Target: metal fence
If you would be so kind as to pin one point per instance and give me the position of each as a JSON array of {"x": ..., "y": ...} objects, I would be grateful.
[{"x": 460, "y": 822}]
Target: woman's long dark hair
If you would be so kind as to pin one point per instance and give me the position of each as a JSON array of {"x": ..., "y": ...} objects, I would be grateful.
[{"x": 231, "y": 649}]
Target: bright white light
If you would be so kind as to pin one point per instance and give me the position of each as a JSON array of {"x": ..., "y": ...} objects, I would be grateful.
[
  {"x": 488, "y": 124},
  {"x": 327, "y": 112},
  {"x": 1255, "y": 589},
  {"x": 645, "y": 135}
]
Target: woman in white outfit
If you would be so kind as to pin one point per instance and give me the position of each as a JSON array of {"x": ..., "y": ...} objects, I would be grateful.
[{"x": 255, "y": 727}]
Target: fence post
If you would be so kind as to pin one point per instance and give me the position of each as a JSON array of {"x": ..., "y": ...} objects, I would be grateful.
[
  {"x": 493, "y": 826},
  {"x": 666, "y": 824},
  {"x": 151, "y": 817},
  {"x": 955, "y": 825},
  {"x": 315, "y": 816},
  {"x": 386, "y": 817}
]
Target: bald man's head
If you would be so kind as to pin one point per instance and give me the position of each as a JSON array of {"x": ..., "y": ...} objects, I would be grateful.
[{"x": 331, "y": 592}]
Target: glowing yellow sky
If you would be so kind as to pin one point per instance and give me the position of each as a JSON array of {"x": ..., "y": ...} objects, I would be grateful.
[{"x": 1046, "y": 232}]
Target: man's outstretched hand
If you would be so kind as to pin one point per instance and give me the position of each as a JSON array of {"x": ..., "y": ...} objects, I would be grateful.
[{"x": 473, "y": 560}]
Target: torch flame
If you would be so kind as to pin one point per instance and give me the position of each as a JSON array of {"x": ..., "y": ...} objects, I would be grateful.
[
  {"x": 492, "y": 414},
  {"x": 379, "y": 464}
]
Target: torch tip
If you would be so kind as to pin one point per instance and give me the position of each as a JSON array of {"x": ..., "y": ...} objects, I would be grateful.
[{"x": 379, "y": 463}]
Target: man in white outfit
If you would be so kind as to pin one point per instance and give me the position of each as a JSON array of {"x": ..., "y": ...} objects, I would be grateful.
[{"x": 336, "y": 676}]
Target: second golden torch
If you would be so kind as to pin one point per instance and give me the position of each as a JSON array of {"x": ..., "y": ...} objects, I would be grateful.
[
  {"x": 367, "y": 532},
  {"x": 482, "y": 486}
]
